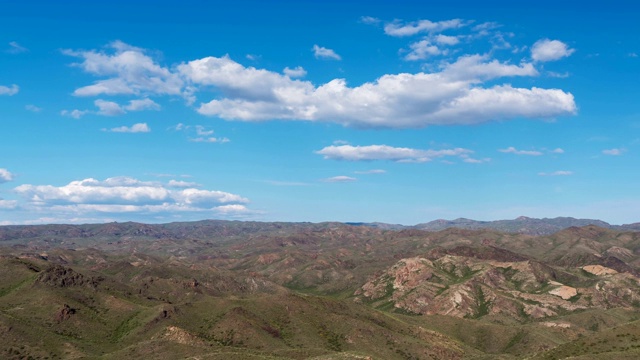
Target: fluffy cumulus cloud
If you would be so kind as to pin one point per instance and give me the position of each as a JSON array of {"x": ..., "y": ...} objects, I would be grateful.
[
  {"x": 108, "y": 108},
  {"x": 128, "y": 195},
  {"x": 323, "y": 53},
  {"x": 125, "y": 69},
  {"x": 9, "y": 90},
  {"x": 135, "y": 128},
  {"x": 5, "y": 175},
  {"x": 453, "y": 95},
  {"x": 471, "y": 89},
  {"x": 550, "y": 50},
  {"x": 296, "y": 72},
  {"x": 421, "y": 50},
  {"x": 390, "y": 153}
]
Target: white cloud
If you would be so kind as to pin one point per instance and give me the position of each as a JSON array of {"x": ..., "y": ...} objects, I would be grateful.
[
  {"x": 15, "y": 48},
  {"x": 480, "y": 67},
  {"x": 557, "y": 151},
  {"x": 111, "y": 108},
  {"x": 385, "y": 152},
  {"x": 421, "y": 50},
  {"x": 126, "y": 195},
  {"x": 455, "y": 94},
  {"x": 210, "y": 139},
  {"x": 373, "y": 171},
  {"x": 8, "y": 204},
  {"x": 323, "y": 53},
  {"x": 340, "y": 179},
  {"x": 446, "y": 39},
  {"x": 398, "y": 28},
  {"x": 182, "y": 184},
  {"x": 142, "y": 104},
  {"x": 296, "y": 72},
  {"x": 76, "y": 114},
  {"x": 135, "y": 128},
  {"x": 550, "y": 50},
  {"x": 9, "y": 90},
  {"x": 452, "y": 96},
  {"x": 557, "y": 173},
  {"x": 108, "y": 108},
  {"x": 32, "y": 108},
  {"x": 613, "y": 152},
  {"x": 512, "y": 150},
  {"x": 369, "y": 20},
  {"x": 5, "y": 176},
  {"x": 128, "y": 70},
  {"x": 202, "y": 131},
  {"x": 471, "y": 160},
  {"x": 234, "y": 209},
  {"x": 203, "y": 135}
]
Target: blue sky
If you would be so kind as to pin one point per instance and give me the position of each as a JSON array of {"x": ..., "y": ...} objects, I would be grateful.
[{"x": 318, "y": 111}]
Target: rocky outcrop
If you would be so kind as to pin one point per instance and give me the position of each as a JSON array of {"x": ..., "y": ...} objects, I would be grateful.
[
  {"x": 65, "y": 313},
  {"x": 474, "y": 284},
  {"x": 60, "y": 276}
]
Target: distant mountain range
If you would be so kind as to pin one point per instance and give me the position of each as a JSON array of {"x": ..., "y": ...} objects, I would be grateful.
[
  {"x": 520, "y": 225},
  {"x": 254, "y": 290}
]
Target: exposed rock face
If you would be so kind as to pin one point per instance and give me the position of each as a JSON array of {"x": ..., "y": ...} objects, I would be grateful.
[
  {"x": 65, "y": 313},
  {"x": 474, "y": 284},
  {"x": 598, "y": 270},
  {"x": 565, "y": 292},
  {"x": 60, "y": 276}
]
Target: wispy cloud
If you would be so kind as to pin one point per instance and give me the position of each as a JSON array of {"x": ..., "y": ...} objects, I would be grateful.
[
  {"x": 369, "y": 20},
  {"x": 512, "y": 150},
  {"x": 385, "y": 152},
  {"x": 557, "y": 173},
  {"x": 76, "y": 114},
  {"x": 340, "y": 179},
  {"x": 210, "y": 139},
  {"x": 399, "y": 28},
  {"x": 15, "y": 48},
  {"x": 373, "y": 171},
  {"x": 324, "y": 53},
  {"x": 202, "y": 133},
  {"x": 33, "y": 108},
  {"x": 9, "y": 90},
  {"x": 135, "y": 128},
  {"x": 286, "y": 183},
  {"x": 613, "y": 152}
]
